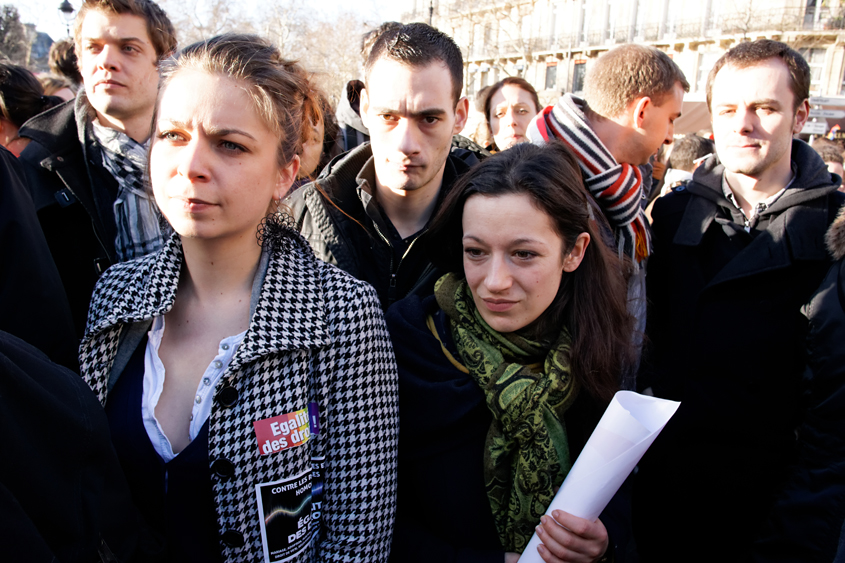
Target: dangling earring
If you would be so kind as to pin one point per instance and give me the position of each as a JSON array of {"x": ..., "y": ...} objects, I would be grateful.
[{"x": 278, "y": 203}]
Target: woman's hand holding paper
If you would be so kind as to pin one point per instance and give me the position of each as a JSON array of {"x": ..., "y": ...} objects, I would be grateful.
[{"x": 567, "y": 538}]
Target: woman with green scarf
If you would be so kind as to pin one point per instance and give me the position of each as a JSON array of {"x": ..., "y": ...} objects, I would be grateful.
[{"x": 506, "y": 370}]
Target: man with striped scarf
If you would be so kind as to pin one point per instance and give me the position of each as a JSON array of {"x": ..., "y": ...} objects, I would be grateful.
[{"x": 632, "y": 96}]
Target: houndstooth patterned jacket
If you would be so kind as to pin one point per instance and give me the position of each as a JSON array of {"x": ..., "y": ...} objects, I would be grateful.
[{"x": 316, "y": 335}]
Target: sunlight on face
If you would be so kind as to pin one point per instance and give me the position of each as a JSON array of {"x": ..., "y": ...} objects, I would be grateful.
[
  {"x": 513, "y": 259},
  {"x": 511, "y": 111},
  {"x": 213, "y": 162}
]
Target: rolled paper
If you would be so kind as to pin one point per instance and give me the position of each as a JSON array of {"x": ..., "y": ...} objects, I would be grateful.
[{"x": 626, "y": 430}]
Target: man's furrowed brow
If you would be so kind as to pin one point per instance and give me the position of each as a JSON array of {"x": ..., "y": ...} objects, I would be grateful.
[{"x": 432, "y": 112}]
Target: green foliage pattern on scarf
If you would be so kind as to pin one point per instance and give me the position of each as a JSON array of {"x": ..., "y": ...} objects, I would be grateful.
[{"x": 528, "y": 389}]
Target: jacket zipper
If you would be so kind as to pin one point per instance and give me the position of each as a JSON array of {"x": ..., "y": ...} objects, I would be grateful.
[{"x": 393, "y": 272}]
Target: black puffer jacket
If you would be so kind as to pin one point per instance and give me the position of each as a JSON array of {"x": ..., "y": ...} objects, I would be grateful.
[
  {"x": 341, "y": 233},
  {"x": 808, "y": 517}
]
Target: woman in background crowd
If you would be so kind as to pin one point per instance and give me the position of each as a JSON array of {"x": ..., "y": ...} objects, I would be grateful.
[
  {"x": 510, "y": 106},
  {"x": 250, "y": 388},
  {"x": 21, "y": 97},
  {"x": 56, "y": 86},
  {"x": 319, "y": 145},
  {"x": 506, "y": 370}
]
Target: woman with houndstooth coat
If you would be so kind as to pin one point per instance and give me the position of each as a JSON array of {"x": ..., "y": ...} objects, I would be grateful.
[{"x": 251, "y": 389}]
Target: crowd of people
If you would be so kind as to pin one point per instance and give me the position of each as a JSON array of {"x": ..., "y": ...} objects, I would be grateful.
[{"x": 238, "y": 324}]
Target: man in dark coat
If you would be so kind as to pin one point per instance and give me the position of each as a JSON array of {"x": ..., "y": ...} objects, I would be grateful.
[
  {"x": 33, "y": 305},
  {"x": 632, "y": 96},
  {"x": 85, "y": 162},
  {"x": 737, "y": 252},
  {"x": 368, "y": 213}
]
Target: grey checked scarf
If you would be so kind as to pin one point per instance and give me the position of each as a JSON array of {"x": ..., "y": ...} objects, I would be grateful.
[{"x": 135, "y": 213}]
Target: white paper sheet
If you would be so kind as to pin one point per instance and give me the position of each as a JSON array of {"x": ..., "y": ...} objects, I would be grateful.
[{"x": 626, "y": 430}]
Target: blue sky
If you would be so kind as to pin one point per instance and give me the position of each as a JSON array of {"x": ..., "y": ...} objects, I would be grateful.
[{"x": 45, "y": 13}]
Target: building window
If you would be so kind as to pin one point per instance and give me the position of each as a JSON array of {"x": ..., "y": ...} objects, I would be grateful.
[
  {"x": 551, "y": 76},
  {"x": 814, "y": 58},
  {"x": 705, "y": 64},
  {"x": 578, "y": 74}
]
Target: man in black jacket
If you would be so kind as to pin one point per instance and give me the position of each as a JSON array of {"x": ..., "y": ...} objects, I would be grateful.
[
  {"x": 33, "y": 305},
  {"x": 369, "y": 211},
  {"x": 737, "y": 252},
  {"x": 85, "y": 162}
]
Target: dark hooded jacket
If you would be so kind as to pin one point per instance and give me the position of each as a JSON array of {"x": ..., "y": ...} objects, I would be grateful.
[
  {"x": 727, "y": 340},
  {"x": 807, "y": 521}
]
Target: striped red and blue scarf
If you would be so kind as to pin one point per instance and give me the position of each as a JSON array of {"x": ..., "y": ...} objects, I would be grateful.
[{"x": 617, "y": 188}]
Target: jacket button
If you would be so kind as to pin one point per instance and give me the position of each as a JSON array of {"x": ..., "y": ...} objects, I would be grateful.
[
  {"x": 233, "y": 538},
  {"x": 60, "y": 158},
  {"x": 228, "y": 397},
  {"x": 223, "y": 467}
]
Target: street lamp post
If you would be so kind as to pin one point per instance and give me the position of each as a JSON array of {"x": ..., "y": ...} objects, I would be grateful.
[{"x": 67, "y": 12}]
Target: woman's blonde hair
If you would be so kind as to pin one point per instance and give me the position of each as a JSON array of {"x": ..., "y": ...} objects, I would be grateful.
[{"x": 281, "y": 90}]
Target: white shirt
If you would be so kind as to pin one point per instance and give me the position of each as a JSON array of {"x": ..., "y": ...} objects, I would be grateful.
[{"x": 154, "y": 384}]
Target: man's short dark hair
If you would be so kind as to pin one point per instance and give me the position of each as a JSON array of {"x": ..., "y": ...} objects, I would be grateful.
[
  {"x": 830, "y": 154},
  {"x": 62, "y": 61},
  {"x": 752, "y": 53},
  {"x": 628, "y": 72},
  {"x": 369, "y": 39},
  {"x": 687, "y": 150},
  {"x": 159, "y": 28},
  {"x": 419, "y": 45}
]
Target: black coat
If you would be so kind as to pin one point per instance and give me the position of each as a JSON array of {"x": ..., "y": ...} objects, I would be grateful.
[
  {"x": 727, "y": 338},
  {"x": 62, "y": 490},
  {"x": 808, "y": 517},
  {"x": 443, "y": 511},
  {"x": 33, "y": 305},
  {"x": 73, "y": 195}
]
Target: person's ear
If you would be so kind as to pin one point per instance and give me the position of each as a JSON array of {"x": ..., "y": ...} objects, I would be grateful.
[
  {"x": 640, "y": 112},
  {"x": 461, "y": 115},
  {"x": 802, "y": 114},
  {"x": 365, "y": 105},
  {"x": 572, "y": 260},
  {"x": 286, "y": 177}
]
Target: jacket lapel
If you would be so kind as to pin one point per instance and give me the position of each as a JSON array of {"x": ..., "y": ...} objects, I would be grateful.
[
  {"x": 797, "y": 234},
  {"x": 290, "y": 312},
  {"x": 139, "y": 290}
]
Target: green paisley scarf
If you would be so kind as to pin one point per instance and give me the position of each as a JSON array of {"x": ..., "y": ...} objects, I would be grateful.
[{"x": 528, "y": 388}]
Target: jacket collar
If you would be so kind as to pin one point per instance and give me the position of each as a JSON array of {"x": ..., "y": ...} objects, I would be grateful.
[
  {"x": 796, "y": 233},
  {"x": 288, "y": 304}
]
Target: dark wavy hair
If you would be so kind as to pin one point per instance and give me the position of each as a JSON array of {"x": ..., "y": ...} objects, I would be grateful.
[
  {"x": 591, "y": 302},
  {"x": 21, "y": 95}
]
